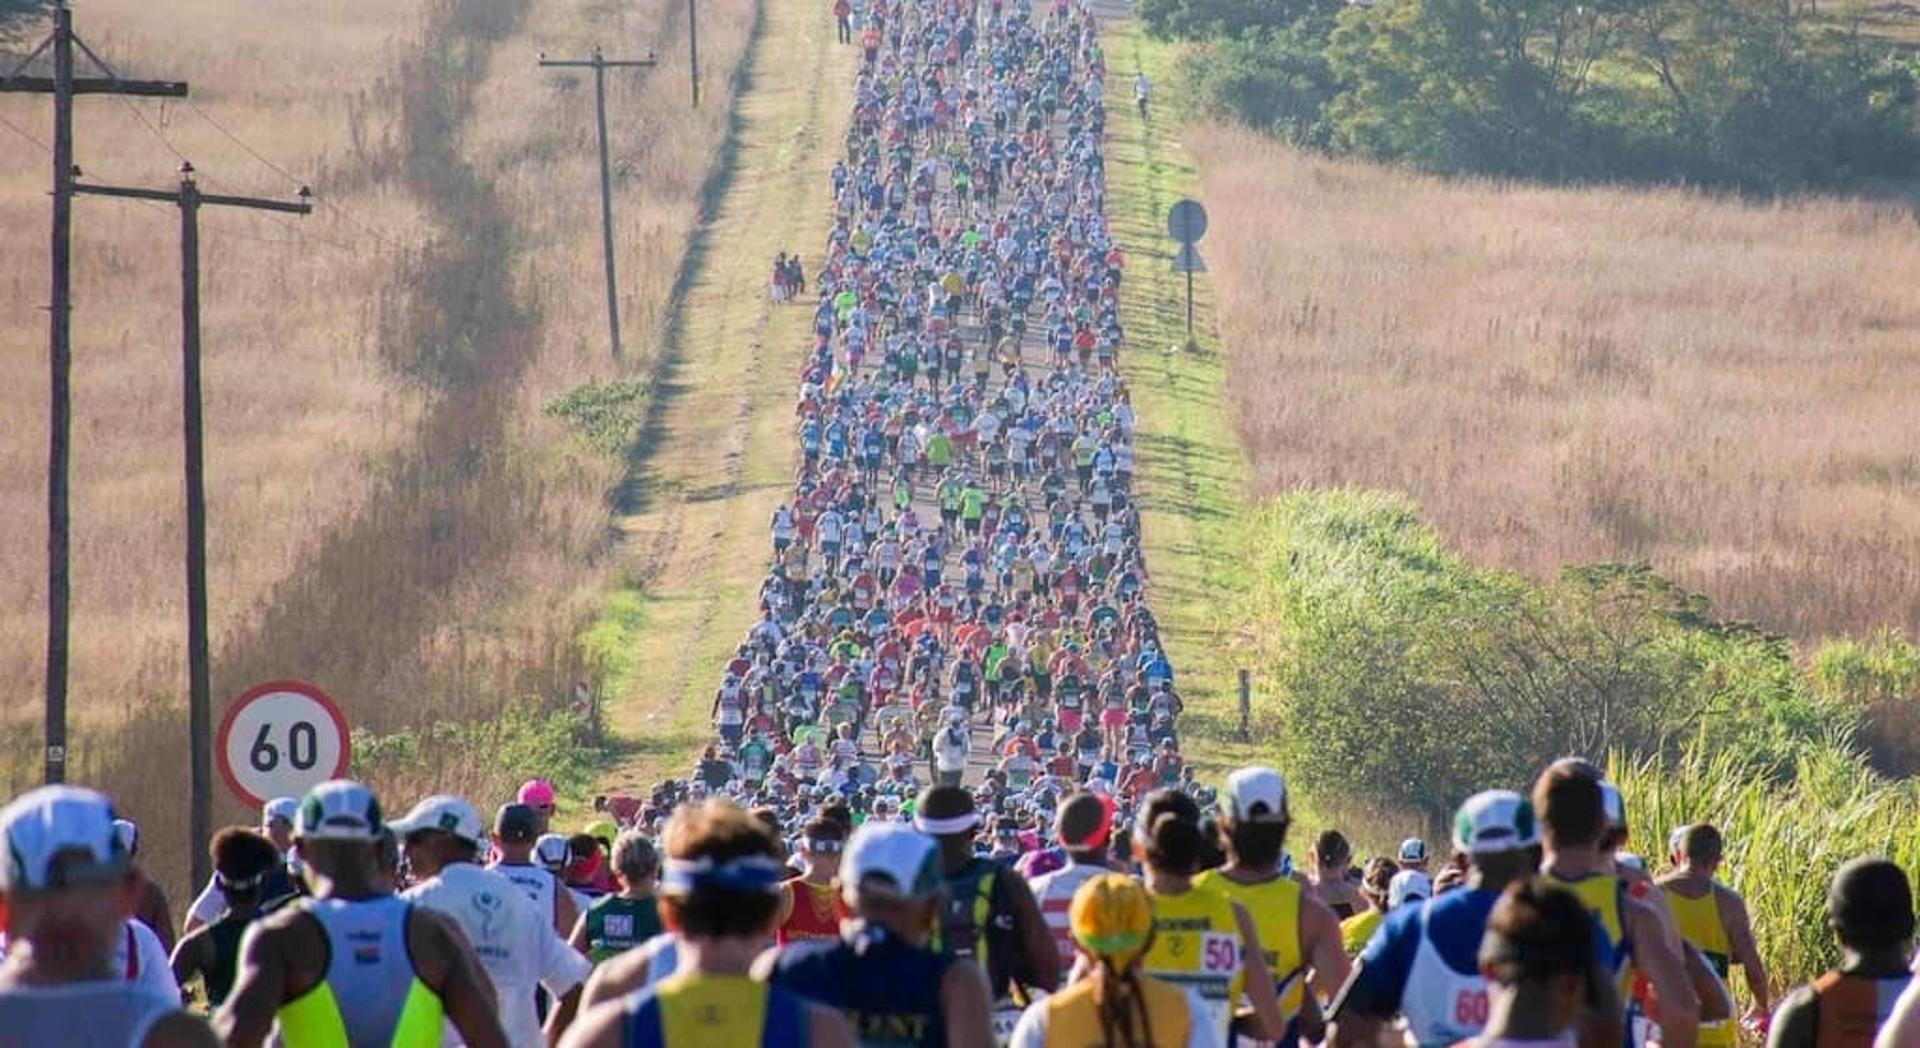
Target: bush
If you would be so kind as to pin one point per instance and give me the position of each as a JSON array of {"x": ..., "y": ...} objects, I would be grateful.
[
  {"x": 1408, "y": 679},
  {"x": 607, "y": 415},
  {"x": 1879, "y": 680}
]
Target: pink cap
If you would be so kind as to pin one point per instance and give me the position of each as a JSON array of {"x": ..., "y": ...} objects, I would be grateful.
[{"x": 536, "y": 793}]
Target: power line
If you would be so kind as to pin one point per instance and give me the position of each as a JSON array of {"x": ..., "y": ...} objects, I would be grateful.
[{"x": 23, "y": 133}]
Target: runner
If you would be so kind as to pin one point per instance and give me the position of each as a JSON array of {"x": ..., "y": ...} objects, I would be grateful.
[
  {"x": 1330, "y": 864},
  {"x": 1870, "y": 908},
  {"x": 1424, "y": 962},
  {"x": 1569, "y": 804},
  {"x": 1203, "y": 940},
  {"x": 812, "y": 905},
  {"x": 881, "y": 973},
  {"x": 516, "y": 829},
  {"x": 242, "y": 859},
  {"x": 276, "y": 822},
  {"x": 720, "y": 888},
  {"x": 990, "y": 916},
  {"x": 1713, "y": 919},
  {"x": 354, "y": 964},
  {"x": 621, "y": 921},
  {"x": 153, "y": 910},
  {"x": 442, "y": 839},
  {"x": 69, "y": 887},
  {"x": 1116, "y": 1004},
  {"x": 1538, "y": 956},
  {"x": 1083, "y": 827},
  {"x": 1297, "y": 930}
]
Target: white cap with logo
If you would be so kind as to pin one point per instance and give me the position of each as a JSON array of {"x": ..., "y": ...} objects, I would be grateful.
[
  {"x": 1257, "y": 794},
  {"x": 1494, "y": 821},
  {"x": 890, "y": 859},
  {"x": 338, "y": 810},
  {"x": 445, "y": 813},
  {"x": 59, "y": 837},
  {"x": 1408, "y": 886}
]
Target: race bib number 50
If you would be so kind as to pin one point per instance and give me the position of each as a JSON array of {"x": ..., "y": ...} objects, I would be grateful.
[{"x": 1219, "y": 954}]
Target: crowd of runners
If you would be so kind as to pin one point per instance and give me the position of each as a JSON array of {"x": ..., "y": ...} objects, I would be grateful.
[{"x": 945, "y": 802}]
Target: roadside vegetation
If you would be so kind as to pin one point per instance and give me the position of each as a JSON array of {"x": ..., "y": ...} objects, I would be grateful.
[{"x": 1763, "y": 97}]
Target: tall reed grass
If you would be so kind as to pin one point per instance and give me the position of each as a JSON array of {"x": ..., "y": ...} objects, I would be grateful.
[{"x": 1785, "y": 836}]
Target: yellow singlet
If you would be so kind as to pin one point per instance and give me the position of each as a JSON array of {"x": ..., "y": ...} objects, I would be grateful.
[
  {"x": 688, "y": 1010},
  {"x": 1073, "y": 1014},
  {"x": 1357, "y": 929},
  {"x": 1605, "y": 896},
  {"x": 1196, "y": 946},
  {"x": 1275, "y": 908},
  {"x": 1700, "y": 925}
]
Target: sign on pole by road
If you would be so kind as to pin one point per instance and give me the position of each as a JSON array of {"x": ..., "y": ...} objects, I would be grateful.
[
  {"x": 1187, "y": 223},
  {"x": 281, "y": 739}
]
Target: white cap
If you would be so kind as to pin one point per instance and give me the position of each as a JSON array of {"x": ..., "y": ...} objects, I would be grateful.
[
  {"x": 279, "y": 808},
  {"x": 1257, "y": 794},
  {"x": 1494, "y": 821},
  {"x": 1407, "y": 886},
  {"x": 446, "y": 813},
  {"x": 550, "y": 849},
  {"x": 338, "y": 810},
  {"x": 890, "y": 858},
  {"x": 128, "y": 834},
  {"x": 60, "y": 836},
  {"x": 1413, "y": 849}
]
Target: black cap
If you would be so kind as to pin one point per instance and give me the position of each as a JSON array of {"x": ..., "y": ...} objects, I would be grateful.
[{"x": 516, "y": 823}]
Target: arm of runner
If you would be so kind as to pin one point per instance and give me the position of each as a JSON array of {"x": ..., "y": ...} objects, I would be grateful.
[
  {"x": 1370, "y": 997},
  {"x": 616, "y": 978},
  {"x": 562, "y": 1016},
  {"x": 578, "y": 940},
  {"x": 1605, "y": 1024},
  {"x": 441, "y": 950},
  {"x": 1320, "y": 944},
  {"x": 1267, "y": 1023},
  {"x": 967, "y": 1004},
  {"x": 190, "y": 957},
  {"x": 1743, "y": 947},
  {"x": 1715, "y": 997},
  {"x": 565, "y": 911},
  {"x": 600, "y": 1027},
  {"x": 1666, "y": 969},
  {"x": 1797, "y": 1023},
  {"x": 246, "y": 1018}
]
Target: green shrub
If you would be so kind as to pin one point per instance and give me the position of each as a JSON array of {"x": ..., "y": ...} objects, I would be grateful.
[
  {"x": 607, "y": 415},
  {"x": 1879, "y": 681}
]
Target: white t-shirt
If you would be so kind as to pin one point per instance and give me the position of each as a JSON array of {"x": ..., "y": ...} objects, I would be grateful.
[
  {"x": 514, "y": 941},
  {"x": 149, "y": 967},
  {"x": 1031, "y": 1031}
]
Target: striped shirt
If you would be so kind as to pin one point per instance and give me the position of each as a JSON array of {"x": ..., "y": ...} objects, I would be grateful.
[{"x": 1055, "y": 894}]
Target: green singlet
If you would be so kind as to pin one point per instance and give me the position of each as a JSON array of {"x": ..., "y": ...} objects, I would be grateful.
[{"x": 616, "y": 924}]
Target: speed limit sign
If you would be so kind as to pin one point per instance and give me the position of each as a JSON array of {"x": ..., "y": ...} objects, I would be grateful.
[{"x": 281, "y": 739}]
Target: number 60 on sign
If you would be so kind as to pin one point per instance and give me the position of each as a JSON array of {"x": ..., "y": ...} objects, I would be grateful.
[{"x": 281, "y": 739}]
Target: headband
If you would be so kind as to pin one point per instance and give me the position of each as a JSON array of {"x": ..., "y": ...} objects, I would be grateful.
[
  {"x": 946, "y": 826},
  {"x": 239, "y": 884},
  {"x": 823, "y": 846},
  {"x": 748, "y": 873}
]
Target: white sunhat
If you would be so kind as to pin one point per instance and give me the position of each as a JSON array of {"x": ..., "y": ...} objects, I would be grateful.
[
  {"x": 446, "y": 813},
  {"x": 338, "y": 810},
  {"x": 59, "y": 837},
  {"x": 1413, "y": 849},
  {"x": 279, "y": 808},
  {"x": 1408, "y": 886},
  {"x": 1494, "y": 821},
  {"x": 550, "y": 849},
  {"x": 890, "y": 859},
  {"x": 1257, "y": 794}
]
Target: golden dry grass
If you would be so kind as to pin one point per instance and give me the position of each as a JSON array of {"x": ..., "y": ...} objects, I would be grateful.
[
  {"x": 297, "y": 403},
  {"x": 462, "y": 542},
  {"x": 1726, "y": 389}
]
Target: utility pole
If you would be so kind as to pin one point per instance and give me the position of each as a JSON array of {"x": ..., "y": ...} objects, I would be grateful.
[
  {"x": 693, "y": 50},
  {"x": 199, "y": 684},
  {"x": 63, "y": 85},
  {"x": 599, "y": 63}
]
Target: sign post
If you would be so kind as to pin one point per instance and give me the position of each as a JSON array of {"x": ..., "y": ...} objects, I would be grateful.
[
  {"x": 281, "y": 739},
  {"x": 1187, "y": 223}
]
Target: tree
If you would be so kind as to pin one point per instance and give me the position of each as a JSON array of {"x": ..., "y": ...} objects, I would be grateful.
[{"x": 21, "y": 18}]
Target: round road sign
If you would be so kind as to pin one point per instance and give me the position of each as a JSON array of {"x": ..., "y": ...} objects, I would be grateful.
[
  {"x": 281, "y": 739},
  {"x": 1186, "y": 221}
]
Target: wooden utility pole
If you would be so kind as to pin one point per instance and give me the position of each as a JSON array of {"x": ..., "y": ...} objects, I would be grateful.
[
  {"x": 199, "y": 684},
  {"x": 693, "y": 50},
  {"x": 63, "y": 85},
  {"x": 600, "y": 64}
]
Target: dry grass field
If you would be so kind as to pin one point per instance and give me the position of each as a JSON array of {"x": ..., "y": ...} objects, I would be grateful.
[
  {"x": 395, "y": 516},
  {"x": 1726, "y": 389},
  {"x": 297, "y": 400}
]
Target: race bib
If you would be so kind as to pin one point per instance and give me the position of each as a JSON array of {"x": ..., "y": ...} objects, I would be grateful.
[{"x": 1219, "y": 953}]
